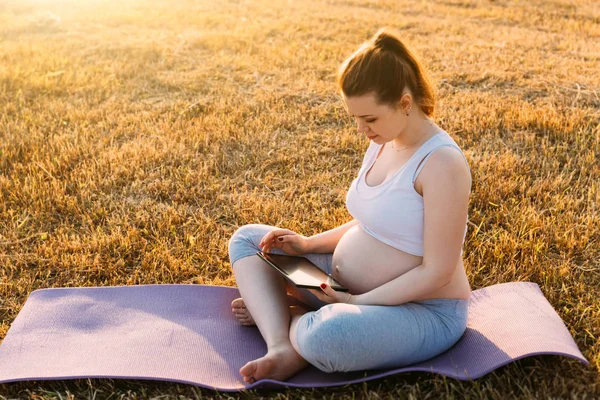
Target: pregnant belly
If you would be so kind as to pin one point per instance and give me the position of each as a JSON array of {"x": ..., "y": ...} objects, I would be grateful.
[{"x": 361, "y": 263}]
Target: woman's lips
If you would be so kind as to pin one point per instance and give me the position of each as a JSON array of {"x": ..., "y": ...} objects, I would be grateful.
[{"x": 371, "y": 137}]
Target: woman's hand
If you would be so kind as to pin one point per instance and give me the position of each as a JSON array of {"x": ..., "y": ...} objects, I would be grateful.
[
  {"x": 328, "y": 295},
  {"x": 290, "y": 242}
]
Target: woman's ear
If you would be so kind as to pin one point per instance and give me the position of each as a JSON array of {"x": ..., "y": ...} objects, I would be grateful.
[{"x": 405, "y": 102}]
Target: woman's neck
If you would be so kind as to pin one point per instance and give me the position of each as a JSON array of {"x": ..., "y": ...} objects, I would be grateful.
[{"x": 420, "y": 131}]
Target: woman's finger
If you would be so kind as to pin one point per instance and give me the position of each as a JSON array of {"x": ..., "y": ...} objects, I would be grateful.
[
  {"x": 320, "y": 295},
  {"x": 269, "y": 237},
  {"x": 338, "y": 296},
  {"x": 329, "y": 291},
  {"x": 270, "y": 244}
]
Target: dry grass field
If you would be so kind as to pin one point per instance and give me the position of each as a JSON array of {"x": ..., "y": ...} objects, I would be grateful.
[{"x": 137, "y": 135}]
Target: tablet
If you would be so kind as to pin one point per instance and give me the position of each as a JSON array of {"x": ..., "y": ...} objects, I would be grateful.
[{"x": 300, "y": 271}]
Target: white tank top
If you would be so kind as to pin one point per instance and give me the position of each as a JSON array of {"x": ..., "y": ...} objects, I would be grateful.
[{"x": 392, "y": 212}]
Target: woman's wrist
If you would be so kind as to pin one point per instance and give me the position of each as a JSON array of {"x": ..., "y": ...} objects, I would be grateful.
[
  {"x": 352, "y": 299},
  {"x": 355, "y": 299},
  {"x": 308, "y": 244}
]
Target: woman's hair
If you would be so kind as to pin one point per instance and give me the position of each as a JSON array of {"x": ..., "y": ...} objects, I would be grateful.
[{"x": 384, "y": 66}]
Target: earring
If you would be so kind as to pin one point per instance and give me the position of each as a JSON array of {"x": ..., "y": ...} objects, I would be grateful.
[{"x": 408, "y": 110}]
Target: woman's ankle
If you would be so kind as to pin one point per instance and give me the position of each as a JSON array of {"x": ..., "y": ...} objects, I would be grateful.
[{"x": 279, "y": 346}]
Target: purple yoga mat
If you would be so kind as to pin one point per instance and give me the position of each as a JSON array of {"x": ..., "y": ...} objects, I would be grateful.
[{"x": 187, "y": 333}]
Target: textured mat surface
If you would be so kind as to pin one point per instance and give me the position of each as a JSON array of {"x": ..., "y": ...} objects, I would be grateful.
[{"x": 187, "y": 333}]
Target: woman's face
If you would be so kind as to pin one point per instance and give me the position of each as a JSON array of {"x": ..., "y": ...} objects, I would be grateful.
[{"x": 380, "y": 123}]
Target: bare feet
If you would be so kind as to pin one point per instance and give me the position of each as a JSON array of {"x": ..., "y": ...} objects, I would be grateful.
[
  {"x": 279, "y": 363},
  {"x": 238, "y": 307}
]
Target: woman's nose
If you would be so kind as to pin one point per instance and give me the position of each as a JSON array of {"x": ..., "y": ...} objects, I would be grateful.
[{"x": 361, "y": 127}]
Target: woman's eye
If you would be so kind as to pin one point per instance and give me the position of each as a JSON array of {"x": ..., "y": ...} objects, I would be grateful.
[{"x": 373, "y": 120}]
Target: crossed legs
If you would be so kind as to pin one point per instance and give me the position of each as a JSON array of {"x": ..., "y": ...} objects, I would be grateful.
[{"x": 264, "y": 293}]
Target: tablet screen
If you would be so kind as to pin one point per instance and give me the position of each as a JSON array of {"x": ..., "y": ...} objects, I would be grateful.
[{"x": 300, "y": 271}]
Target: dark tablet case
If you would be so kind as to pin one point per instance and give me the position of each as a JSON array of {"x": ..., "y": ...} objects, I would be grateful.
[{"x": 289, "y": 265}]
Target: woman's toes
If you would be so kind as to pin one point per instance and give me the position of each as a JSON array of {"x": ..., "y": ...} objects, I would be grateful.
[
  {"x": 279, "y": 364},
  {"x": 238, "y": 307},
  {"x": 248, "y": 370},
  {"x": 238, "y": 303}
]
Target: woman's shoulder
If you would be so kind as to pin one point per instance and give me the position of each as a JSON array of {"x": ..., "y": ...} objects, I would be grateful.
[
  {"x": 444, "y": 160},
  {"x": 446, "y": 148},
  {"x": 447, "y": 156},
  {"x": 445, "y": 163}
]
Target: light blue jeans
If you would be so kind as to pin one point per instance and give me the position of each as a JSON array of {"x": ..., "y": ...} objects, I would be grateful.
[{"x": 346, "y": 337}]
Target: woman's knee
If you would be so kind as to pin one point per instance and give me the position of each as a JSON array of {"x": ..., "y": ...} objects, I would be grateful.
[
  {"x": 324, "y": 337},
  {"x": 244, "y": 241}
]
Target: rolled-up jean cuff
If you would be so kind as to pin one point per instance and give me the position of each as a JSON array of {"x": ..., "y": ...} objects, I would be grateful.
[{"x": 244, "y": 242}]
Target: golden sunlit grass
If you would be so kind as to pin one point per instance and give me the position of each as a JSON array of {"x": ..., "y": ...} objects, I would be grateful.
[{"x": 137, "y": 135}]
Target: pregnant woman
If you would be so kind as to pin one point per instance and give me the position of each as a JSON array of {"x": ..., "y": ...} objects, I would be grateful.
[{"x": 401, "y": 255}]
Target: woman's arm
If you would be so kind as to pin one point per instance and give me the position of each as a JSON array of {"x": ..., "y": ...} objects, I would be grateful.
[
  {"x": 446, "y": 184},
  {"x": 325, "y": 242}
]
